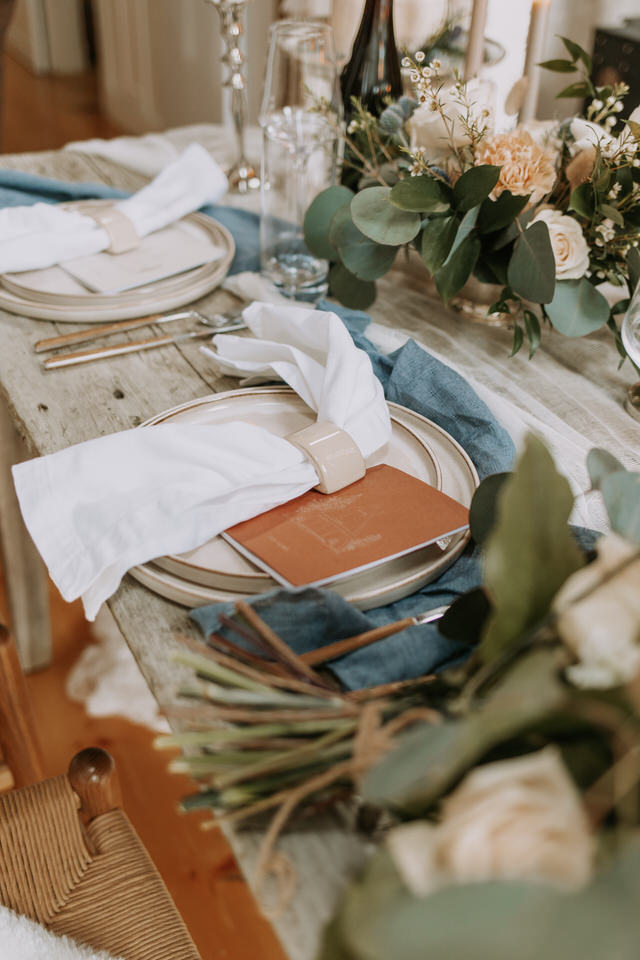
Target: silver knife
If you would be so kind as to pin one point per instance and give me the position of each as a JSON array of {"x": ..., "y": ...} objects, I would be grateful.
[{"x": 135, "y": 346}]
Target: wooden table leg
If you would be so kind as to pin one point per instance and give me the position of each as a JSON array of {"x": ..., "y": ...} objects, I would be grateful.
[{"x": 24, "y": 572}]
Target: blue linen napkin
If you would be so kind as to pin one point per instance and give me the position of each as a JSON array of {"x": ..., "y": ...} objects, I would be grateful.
[{"x": 22, "y": 189}]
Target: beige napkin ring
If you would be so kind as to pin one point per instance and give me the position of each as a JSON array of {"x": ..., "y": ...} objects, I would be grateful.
[
  {"x": 119, "y": 228},
  {"x": 334, "y": 454}
]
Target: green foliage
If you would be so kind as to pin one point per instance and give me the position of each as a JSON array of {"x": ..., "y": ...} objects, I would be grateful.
[
  {"x": 621, "y": 495},
  {"x": 318, "y": 218},
  {"x": 532, "y": 268},
  {"x": 497, "y": 214},
  {"x": 360, "y": 255},
  {"x": 437, "y": 239},
  {"x": 378, "y": 218},
  {"x": 349, "y": 289},
  {"x": 530, "y": 552},
  {"x": 379, "y": 919},
  {"x": 474, "y": 186},
  {"x": 633, "y": 265},
  {"x": 484, "y": 506},
  {"x": 430, "y": 759},
  {"x": 583, "y": 200},
  {"x": 558, "y": 66},
  {"x": 458, "y": 267},
  {"x": 532, "y": 328},
  {"x": 421, "y": 195},
  {"x": 577, "y": 308}
]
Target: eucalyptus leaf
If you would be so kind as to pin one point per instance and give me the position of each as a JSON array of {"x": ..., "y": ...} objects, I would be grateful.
[
  {"x": 582, "y": 200},
  {"x": 429, "y": 759},
  {"x": 532, "y": 327},
  {"x": 577, "y": 308},
  {"x": 497, "y": 214},
  {"x": 319, "y": 216},
  {"x": 436, "y": 241},
  {"x": 360, "y": 255},
  {"x": 633, "y": 266},
  {"x": 349, "y": 290},
  {"x": 376, "y": 217},
  {"x": 457, "y": 268},
  {"x": 506, "y": 235},
  {"x": 621, "y": 495},
  {"x": 531, "y": 551},
  {"x": 475, "y": 185},
  {"x": 532, "y": 268},
  {"x": 600, "y": 463},
  {"x": 496, "y": 919},
  {"x": 559, "y": 66},
  {"x": 421, "y": 194},
  {"x": 465, "y": 618},
  {"x": 484, "y": 506}
]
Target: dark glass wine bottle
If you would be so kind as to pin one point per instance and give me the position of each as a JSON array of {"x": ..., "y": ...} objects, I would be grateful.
[{"x": 373, "y": 72}]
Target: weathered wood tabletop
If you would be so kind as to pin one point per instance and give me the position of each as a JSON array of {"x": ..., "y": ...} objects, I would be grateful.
[{"x": 572, "y": 387}]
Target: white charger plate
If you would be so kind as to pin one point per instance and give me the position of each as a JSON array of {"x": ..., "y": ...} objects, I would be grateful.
[
  {"x": 215, "y": 571},
  {"x": 163, "y": 295}
]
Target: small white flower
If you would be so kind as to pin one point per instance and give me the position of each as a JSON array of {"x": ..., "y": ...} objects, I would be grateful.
[
  {"x": 598, "y": 104},
  {"x": 618, "y": 107},
  {"x": 420, "y": 56},
  {"x": 435, "y": 64},
  {"x": 406, "y": 62}
]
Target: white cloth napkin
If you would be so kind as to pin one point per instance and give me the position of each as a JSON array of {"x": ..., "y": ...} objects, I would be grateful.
[
  {"x": 44, "y": 234},
  {"x": 24, "y": 939},
  {"x": 98, "y": 508}
]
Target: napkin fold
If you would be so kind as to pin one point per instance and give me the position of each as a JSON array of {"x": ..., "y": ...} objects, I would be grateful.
[
  {"x": 41, "y": 235},
  {"x": 98, "y": 508},
  {"x": 24, "y": 939}
]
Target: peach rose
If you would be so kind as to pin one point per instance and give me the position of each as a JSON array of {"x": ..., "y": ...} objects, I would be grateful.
[
  {"x": 518, "y": 819},
  {"x": 526, "y": 167}
]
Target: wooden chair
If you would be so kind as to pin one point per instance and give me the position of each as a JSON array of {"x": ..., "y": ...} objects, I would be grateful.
[{"x": 69, "y": 858}]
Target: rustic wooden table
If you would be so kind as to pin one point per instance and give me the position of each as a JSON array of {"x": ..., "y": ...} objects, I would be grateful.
[{"x": 572, "y": 389}]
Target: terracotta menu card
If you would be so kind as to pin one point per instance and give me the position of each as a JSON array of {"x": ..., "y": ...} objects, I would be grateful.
[{"x": 319, "y": 538}]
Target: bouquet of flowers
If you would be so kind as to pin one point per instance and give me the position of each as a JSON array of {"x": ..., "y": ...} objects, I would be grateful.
[
  {"x": 547, "y": 211},
  {"x": 517, "y": 808}
]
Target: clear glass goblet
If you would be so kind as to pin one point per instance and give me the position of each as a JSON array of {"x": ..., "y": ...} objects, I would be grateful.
[
  {"x": 630, "y": 334},
  {"x": 301, "y": 120}
]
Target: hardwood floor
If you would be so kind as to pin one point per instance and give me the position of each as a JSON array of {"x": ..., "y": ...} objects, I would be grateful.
[
  {"x": 199, "y": 869},
  {"x": 44, "y": 113}
]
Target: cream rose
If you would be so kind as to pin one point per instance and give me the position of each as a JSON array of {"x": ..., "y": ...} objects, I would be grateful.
[
  {"x": 525, "y": 167},
  {"x": 430, "y": 133},
  {"x": 568, "y": 243},
  {"x": 516, "y": 819},
  {"x": 603, "y": 629}
]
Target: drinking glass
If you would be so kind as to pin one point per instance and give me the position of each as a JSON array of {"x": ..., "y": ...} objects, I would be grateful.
[
  {"x": 301, "y": 118},
  {"x": 630, "y": 334}
]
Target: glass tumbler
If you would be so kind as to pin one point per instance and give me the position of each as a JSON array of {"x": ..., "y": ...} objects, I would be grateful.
[{"x": 301, "y": 118}]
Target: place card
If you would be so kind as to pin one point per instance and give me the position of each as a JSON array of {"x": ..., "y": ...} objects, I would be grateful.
[
  {"x": 162, "y": 254},
  {"x": 318, "y": 539}
]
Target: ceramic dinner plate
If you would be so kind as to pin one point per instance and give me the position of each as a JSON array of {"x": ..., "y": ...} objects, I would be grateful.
[
  {"x": 55, "y": 297},
  {"x": 215, "y": 571}
]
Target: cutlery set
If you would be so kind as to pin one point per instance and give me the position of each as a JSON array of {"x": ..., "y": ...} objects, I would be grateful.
[{"x": 216, "y": 323}]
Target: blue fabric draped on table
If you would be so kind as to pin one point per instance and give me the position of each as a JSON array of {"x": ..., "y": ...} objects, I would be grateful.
[{"x": 308, "y": 618}]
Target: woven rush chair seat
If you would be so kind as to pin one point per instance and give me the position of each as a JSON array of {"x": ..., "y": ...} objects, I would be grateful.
[{"x": 94, "y": 883}]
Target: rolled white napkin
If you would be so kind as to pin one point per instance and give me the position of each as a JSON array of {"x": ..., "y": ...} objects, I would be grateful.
[
  {"x": 24, "y": 939},
  {"x": 99, "y": 508},
  {"x": 44, "y": 234}
]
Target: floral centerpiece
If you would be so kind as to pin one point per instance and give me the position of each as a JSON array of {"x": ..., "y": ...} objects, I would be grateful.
[
  {"x": 547, "y": 212},
  {"x": 517, "y": 808}
]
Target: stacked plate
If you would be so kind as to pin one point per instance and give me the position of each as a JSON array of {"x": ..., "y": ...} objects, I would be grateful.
[
  {"x": 52, "y": 294},
  {"x": 215, "y": 571}
]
